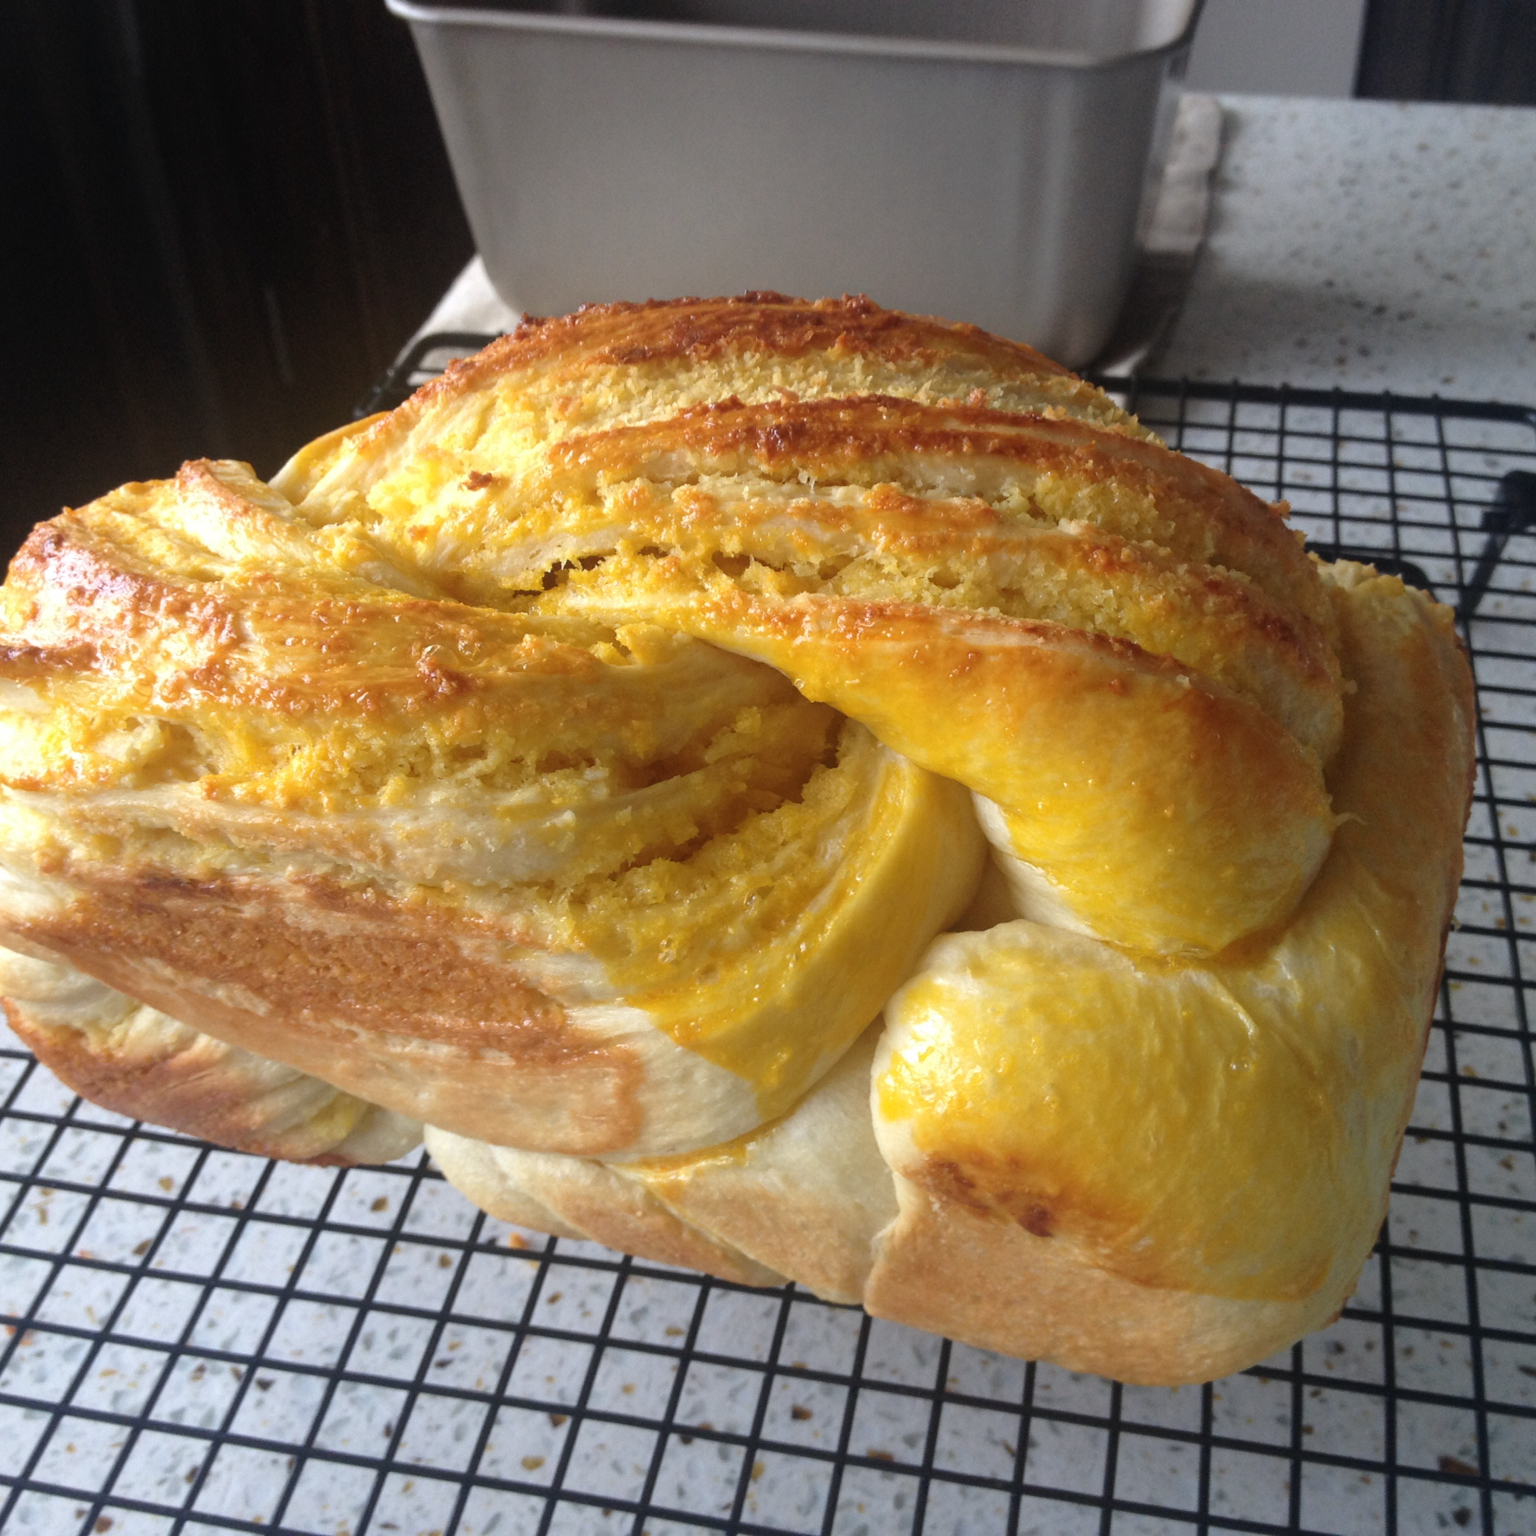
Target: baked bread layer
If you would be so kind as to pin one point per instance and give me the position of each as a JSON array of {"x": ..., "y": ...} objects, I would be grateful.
[
  {"x": 589, "y": 1200},
  {"x": 137, "y": 1061},
  {"x": 1158, "y": 810},
  {"x": 804, "y": 1197},
  {"x": 540, "y": 880},
  {"x": 781, "y": 478},
  {"x": 1158, "y": 1170},
  {"x": 619, "y": 363},
  {"x": 455, "y": 1018},
  {"x": 1225, "y": 1131}
]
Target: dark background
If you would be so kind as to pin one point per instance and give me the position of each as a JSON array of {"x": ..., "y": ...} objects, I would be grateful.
[{"x": 222, "y": 218}]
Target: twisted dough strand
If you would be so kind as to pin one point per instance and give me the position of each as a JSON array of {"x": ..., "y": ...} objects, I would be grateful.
[{"x": 1135, "y": 657}]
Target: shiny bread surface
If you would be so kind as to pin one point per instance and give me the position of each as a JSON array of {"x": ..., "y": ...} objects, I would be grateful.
[
  {"x": 580, "y": 760},
  {"x": 1161, "y": 1171}
]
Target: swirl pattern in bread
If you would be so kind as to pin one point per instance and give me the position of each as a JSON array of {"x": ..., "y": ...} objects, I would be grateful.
[{"x": 578, "y": 760}]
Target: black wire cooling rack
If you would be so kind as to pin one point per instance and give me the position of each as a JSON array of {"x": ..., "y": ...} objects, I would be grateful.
[{"x": 201, "y": 1341}]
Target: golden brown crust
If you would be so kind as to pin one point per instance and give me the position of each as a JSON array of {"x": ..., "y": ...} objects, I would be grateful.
[
  {"x": 996, "y": 1285},
  {"x": 350, "y": 955},
  {"x": 1181, "y": 817},
  {"x": 878, "y": 440},
  {"x": 1214, "y": 584},
  {"x": 385, "y": 1001},
  {"x": 186, "y": 1089},
  {"x": 449, "y": 830},
  {"x": 137, "y": 1061},
  {"x": 700, "y": 330},
  {"x": 789, "y": 345}
]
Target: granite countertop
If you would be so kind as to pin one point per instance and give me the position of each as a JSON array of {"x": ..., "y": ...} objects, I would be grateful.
[{"x": 1368, "y": 245}]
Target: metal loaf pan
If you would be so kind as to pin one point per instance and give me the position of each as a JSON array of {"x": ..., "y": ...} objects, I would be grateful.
[{"x": 980, "y": 159}]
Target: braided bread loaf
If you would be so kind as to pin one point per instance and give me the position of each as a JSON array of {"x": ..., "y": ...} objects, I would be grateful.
[{"x": 578, "y": 759}]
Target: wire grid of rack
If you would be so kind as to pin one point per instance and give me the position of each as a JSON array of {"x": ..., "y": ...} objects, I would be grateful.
[{"x": 202, "y": 1341}]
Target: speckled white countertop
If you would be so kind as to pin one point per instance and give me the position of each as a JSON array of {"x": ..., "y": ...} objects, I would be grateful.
[{"x": 1368, "y": 245}]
